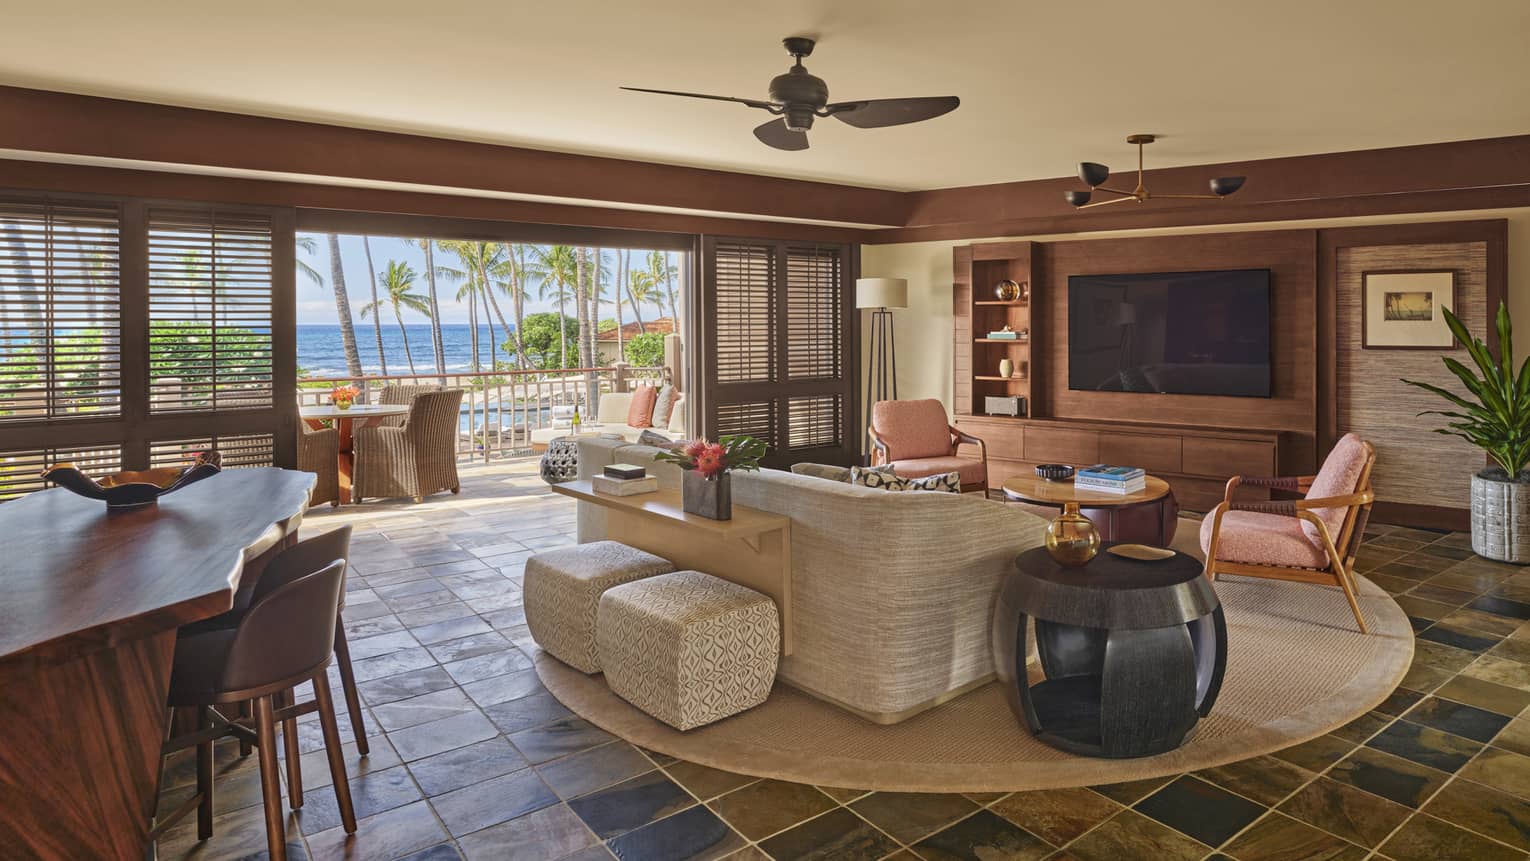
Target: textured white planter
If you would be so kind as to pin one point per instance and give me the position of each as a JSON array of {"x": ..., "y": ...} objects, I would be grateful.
[{"x": 1501, "y": 519}]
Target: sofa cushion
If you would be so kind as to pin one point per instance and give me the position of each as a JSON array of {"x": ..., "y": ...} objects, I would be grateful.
[
  {"x": 1263, "y": 539},
  {"x": 677, "y": 416},
  {"x": 648, "y": 436},
  {"x": 1338, "y": 477},
  {"x": 972, "y": 471},
  {"x": 612, "y": 408},
  {"x": 640, "y": 411},
  {"x": 834, "y": 473},
  {"x": 950, "y": 482},
  {"x": 912, "y": 429}
]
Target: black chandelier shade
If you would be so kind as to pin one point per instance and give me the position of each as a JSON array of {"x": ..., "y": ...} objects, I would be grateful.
[
  {"x": 1222, "y": 186},
  {"x": 1093, "y": 174},
  {"x": 1077, "y": 198}
]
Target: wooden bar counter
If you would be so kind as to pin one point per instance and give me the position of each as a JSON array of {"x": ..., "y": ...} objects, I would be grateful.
[{"x": 89, "y": 604}]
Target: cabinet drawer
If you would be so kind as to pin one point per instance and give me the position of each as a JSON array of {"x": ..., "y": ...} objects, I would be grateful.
[
  {"x": 1152, "y": 453},
  {"x": 1062, "y": 445},
  {"x": 1222, "y": 457},
  {"x": 1004, "y": 439}
]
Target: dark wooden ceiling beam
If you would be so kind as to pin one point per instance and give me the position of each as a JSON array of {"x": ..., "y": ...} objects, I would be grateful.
[{"x": 64, "y": 123}]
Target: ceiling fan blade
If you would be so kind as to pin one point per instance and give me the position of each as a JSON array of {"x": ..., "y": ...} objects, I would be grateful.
[
  {"x": 876, "y": 113},
  {"x": 753, "y": 103},
  {"x": 776, "y": 134}
]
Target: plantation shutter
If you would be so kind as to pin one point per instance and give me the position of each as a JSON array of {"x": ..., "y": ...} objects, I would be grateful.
[
  {"x": 777, "y": 347},
  {"x": 135, "y": 334}
]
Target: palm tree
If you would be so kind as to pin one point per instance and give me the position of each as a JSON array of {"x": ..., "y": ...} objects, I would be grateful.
[
  {"x": 642, "y": 287},
  {"x": 485, "y": 266},
  {"x": 582, "y": 304},
  {"x": 343, "y": 308},
  {"x": 623, "y": 258},
  {"x": 308, "y": 245},
  {"x": 556, "y": 266},
  {"x": 517, "y": 287},
  {"x": 429, "y": 247},
  {"x": 663, "y": 272},
  {"x": 397, "y": 281},
  {"x": 382, "y": 358}
]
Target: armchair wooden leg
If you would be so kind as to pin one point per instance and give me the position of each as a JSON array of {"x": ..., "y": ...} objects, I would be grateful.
[
  {"x": 270, "y": 782},
  {"x": 1341, "y": 578}
]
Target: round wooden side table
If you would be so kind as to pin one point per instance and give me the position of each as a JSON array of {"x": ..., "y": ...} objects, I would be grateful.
[
  {"x": 1148, "y": 516},
  {"x": 1133, "y": 652}
]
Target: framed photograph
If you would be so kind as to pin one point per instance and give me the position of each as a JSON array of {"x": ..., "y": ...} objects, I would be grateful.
[{"x": 1403, "y": 310}]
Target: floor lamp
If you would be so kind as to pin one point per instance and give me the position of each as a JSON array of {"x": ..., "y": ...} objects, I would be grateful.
[{"x": 880, "y": 295}]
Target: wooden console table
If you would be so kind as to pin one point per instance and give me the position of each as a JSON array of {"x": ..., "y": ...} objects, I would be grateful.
[{"x": 754, "y": 549}]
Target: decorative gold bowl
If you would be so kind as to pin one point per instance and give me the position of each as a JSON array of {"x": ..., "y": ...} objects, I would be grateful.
[{"x": 133, "y": 488}]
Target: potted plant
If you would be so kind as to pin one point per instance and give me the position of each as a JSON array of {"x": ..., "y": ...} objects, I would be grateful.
[
  {"x": 1496, "y": 418},
  {"x": 705, "y": 487}
]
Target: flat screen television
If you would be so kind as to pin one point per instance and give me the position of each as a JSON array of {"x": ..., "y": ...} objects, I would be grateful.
[{"x": 1185, "y": 333}]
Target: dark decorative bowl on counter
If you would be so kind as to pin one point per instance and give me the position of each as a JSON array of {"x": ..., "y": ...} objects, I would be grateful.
[
  {"x": 1054, "y": 471},
  {"x": 133, "y": 488}
]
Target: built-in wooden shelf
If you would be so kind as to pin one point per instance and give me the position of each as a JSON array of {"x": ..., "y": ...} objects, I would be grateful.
[
  {"x": 1013, "y": 303},
  {"x": 1004, "y": 379},
  {"x": 1025, "y": 343}
]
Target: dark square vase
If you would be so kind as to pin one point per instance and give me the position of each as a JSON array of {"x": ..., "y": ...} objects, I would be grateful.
[{"x": 712, "y": 498}]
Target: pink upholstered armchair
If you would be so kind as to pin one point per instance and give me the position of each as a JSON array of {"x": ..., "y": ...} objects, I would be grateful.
[
  {"x": 1298, "y": 539},
  {"x": 918, "y": 440}
]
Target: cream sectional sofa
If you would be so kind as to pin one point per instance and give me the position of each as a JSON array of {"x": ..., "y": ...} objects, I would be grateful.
[
  {"x": 892, "y": 592},
  {"x": 611, "y": 418}
]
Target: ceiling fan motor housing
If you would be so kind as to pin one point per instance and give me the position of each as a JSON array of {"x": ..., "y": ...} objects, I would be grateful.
[{"x": 802, "y": 93}]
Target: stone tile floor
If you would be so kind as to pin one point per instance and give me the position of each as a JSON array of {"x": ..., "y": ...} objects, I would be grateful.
[{"x": 472, "y": 758}]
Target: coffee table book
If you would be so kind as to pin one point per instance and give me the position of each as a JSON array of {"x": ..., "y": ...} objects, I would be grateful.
[{"x": 624, "y": 486}]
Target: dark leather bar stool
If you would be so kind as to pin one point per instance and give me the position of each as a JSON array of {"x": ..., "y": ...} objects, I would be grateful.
[
  {"x": 321, "y": 549},
  {"x": 285, "y": 638}
]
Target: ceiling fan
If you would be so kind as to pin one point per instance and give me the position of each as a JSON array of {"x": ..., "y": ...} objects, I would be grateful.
[{"x": 798, "y": 97}]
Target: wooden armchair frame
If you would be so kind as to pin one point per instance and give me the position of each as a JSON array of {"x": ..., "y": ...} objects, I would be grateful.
[
  {"x": 881, "y": 453},
  {"x": 1341, "y": 566}
]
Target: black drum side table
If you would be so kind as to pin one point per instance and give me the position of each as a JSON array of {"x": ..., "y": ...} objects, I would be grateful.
[{"x": 1133, "y": 652}]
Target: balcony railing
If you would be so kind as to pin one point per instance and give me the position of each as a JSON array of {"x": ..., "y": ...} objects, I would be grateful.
[{"x": 502, "y": 408}]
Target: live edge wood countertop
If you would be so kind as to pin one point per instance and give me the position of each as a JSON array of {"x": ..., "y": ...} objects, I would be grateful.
[{"x": 75, "y": 577}]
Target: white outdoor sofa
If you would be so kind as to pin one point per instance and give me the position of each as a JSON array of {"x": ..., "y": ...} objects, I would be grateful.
[{"x": 611, "y": 418}]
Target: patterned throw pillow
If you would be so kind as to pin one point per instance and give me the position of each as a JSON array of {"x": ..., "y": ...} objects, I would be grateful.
[
  {"x": 658, "y": 440},
  {"x": 950, "y": 482}
]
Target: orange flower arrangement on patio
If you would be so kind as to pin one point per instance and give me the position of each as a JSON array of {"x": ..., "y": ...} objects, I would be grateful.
[{"x": 343, "y": 396}]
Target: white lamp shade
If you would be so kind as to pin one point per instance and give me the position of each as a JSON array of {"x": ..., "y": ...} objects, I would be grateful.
[{"x": 881, "y": 293}]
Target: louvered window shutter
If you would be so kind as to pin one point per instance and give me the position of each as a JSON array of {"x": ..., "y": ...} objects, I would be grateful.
[{"x": 775, "y": 325}]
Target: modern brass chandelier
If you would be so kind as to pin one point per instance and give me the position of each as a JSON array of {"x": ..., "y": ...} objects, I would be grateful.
[{"x": 1095, "y": 175}]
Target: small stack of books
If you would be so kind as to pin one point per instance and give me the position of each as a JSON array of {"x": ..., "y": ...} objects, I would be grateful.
[
  {"x": 1111, "y": 479},
  {"x": 624, "y": 479}
]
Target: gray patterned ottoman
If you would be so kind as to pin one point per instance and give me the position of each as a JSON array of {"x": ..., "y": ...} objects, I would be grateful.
[
  {"x": 562, "y": 592},
  {"x": 688, "y": 648}
]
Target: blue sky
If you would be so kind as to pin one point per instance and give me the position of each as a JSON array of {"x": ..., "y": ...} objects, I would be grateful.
[{"x": 316, "y": 304}]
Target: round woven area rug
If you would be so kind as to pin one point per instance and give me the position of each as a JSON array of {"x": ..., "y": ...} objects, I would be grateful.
[{"x": 1296, "y": 668}]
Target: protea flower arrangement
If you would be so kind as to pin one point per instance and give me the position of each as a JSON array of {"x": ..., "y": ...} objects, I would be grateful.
[{"x": 706, "y": 489}]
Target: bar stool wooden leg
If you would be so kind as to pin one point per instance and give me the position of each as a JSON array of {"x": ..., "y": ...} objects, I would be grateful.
[
  {"x": 244, "y": 744},
  {"x": 348, "y": 688},
  {"x": 270, "y": 783},
  {"x": 204, "y": 778},
  {"x": 294, "y": 753},
  {"x": 332, "y": 749}
]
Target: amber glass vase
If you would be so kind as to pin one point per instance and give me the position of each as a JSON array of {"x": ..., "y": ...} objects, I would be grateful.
[{"x": 1072, "y": 538}]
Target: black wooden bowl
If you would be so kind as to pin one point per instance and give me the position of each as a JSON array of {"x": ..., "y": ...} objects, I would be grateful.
[
  {"x": 134, "y": 487},
  {"x": 1054, "y": 471}
]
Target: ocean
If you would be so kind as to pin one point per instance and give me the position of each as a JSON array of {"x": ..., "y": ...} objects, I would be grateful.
[{"x": 320, "y": 352}]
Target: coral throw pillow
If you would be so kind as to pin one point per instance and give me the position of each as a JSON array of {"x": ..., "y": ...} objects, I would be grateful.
[{"x": 640, "y": 413}]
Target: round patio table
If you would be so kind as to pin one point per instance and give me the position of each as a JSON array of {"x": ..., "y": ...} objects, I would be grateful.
[{"x": 346, "y": 421}]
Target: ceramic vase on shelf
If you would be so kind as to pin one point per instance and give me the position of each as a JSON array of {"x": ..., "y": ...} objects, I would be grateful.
[
  {"x": 1006, "y": 368},
  {"x": 708, "y": 497},
  {"x": 1072, "y": 538}
]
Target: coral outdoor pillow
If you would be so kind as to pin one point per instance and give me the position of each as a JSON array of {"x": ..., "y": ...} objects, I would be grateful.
[{"x": 640, "y": 413}]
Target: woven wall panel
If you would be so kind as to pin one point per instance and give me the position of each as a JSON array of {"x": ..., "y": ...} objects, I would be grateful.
[{"x": 1413, "y": 465}]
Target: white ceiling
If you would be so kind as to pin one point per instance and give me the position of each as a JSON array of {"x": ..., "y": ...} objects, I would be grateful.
[{"x": 1044, "y": 83}]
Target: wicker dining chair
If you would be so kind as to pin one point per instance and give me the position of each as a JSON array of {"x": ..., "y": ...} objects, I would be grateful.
[
  {"x": 415, "y": 459},
  {"x": 400, "y": 394},
  {"x": 319, "y": 453}
]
